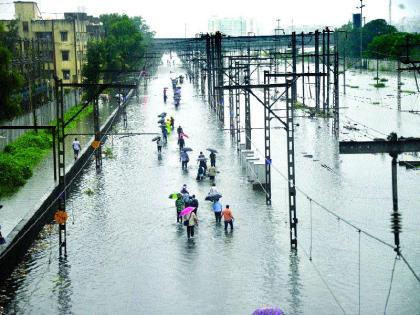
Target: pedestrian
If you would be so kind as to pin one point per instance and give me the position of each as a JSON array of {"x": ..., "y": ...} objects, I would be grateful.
[
  {"x": 200, "y": 173},
  {"x": 124, "y": 114},
  {"x": 179, "y": 131},
  {"x": 190, "y": 220},
  {"x": 164, "y": 134},
  {"x": 184, "y": 159},
  {"x": 179, "y": 204},
  {"x": 184, "y": 189},
  {"x": 228, "y": 217},
  {"x": 194, "y": 203},
  {"x": 217, "y": 209},
  {"x": 202, "y": 161},
  {"x": 76, "y": 148},
  {"x": 213, "y": 159},
  {"x": 212, "y": 172},
  {"x": 173, "y": 124},
  {"x": 213, "y": 190},
  {"x": 165, "y": 97},
  {"x": 181, "y": 143},
  {"x": 159, "y": 145}
]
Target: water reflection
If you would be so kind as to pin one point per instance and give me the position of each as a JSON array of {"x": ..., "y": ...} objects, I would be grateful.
[
  {"x": 63, "y": 287},
  {"x": 294, "y": 283}
]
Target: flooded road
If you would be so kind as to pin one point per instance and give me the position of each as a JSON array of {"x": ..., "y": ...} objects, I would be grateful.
[{"x": 127, "y": 254}]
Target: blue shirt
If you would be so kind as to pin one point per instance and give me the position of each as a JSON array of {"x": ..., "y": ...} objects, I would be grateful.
[{"x": 217, "y": 207}]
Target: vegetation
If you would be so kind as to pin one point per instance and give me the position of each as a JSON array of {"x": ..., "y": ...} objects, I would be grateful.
[
  {"x": 379, "y": 85},
  {"x": 20, "y": 157},
  {"x": 391, "y": 46},
  {"x": 120, "y": 50},
  {"x": 349, "y": 37},
  {"x": 10, "y": 81}
]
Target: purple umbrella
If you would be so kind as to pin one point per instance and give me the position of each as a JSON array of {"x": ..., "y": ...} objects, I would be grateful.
[
  {"x": 186, "y": 211},
  {"x": 268, "y": 311}
]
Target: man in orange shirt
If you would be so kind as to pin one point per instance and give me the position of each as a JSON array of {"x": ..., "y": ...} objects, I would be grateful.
[{"x": 228, "y": 217}]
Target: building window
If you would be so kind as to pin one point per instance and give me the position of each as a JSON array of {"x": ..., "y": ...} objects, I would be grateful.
[
  {"x": 65, "y": 55},
  {"x": 66, "y": 74},
  {"x": 25, "y": 26},
  {"x": 64, "y": 36}
]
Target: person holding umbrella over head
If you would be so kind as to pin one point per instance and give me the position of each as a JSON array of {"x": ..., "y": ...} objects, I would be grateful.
[{"x": 190, "y": 220}]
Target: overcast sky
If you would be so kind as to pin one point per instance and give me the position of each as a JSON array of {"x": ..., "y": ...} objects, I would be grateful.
[{"x": 169, "y": 18}]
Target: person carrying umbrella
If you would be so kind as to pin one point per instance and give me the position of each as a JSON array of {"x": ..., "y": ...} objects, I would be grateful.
[
  {"x": 190, "y": 220},
  {"x": 173, "y": 124},
  {"x": 184, "y": 158},
  {"x": 228, "y": 217},
  {"x": 212, "y": 158},
  {"x": 213, "y": 190},
  {"x": 179, "y": 205}
]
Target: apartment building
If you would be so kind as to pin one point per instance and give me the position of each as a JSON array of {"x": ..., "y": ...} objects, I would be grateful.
[{"x": 68, "y": 35}]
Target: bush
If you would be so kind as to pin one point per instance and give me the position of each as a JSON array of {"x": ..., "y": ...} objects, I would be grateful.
[{"x": 19, "y": 158}]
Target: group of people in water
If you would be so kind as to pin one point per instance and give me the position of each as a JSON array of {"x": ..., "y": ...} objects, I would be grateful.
[
  {"x": 184, "y": 200},
  {"x": 186, "y": 204}
]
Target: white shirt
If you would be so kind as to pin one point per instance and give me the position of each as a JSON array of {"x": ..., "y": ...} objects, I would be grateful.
[
  {"x": 213, "y": 191},
  {"x": 76, "y": 145}
]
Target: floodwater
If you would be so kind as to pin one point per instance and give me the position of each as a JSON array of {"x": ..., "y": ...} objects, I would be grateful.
[{"x": 127, "y": 254}]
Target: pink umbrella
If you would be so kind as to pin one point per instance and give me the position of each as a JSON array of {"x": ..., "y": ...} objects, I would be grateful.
[{"x": 186, "y": 211}]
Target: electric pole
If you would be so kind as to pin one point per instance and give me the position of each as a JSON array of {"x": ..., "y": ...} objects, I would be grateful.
[{"x": 361, "y": 33}]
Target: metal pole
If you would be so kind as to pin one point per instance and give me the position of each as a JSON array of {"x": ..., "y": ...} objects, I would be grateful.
[
  {"x": 399, "y": 85},
  {"x": 395, "y": 215},
  {"x": 294, "y": 84},
  {"x": 317, "y": 80},
  {"x": 303, "y": 68},
  {"x": 291, "y": 168},
  {"x": 247, "y": 109},
  {"x": 328, "y": 69},
  {"x": 238, "y": 106},
  {"x": 267, "y": 148}
]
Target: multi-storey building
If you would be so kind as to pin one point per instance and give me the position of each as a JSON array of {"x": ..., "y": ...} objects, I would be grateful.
[{"x": 69, "y": 36}]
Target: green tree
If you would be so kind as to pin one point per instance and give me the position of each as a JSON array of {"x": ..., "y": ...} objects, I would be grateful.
[
  {"x": 393, "y": 46},
  {"x": 10, "y": 83},
  {"x": 121, "y": 48},
  {"x": 372, "y": 29}
]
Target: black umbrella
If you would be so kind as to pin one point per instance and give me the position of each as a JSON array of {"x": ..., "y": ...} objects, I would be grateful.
[
  {"x": 213, "y": 197},
  {"x": 162, "y": 115},
  {"x": 186, "y": 149},
  {"x": 212, "y": 150},
  {"x": 156, "y": 138}
]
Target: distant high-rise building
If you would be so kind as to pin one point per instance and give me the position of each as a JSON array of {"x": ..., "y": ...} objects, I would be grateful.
[{"x": 228, "y": 26}]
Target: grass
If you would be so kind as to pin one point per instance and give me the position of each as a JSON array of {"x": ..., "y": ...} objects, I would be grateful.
[
  {"x": 20, "y": 157},
  {"x": 408, "y": 91}
]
